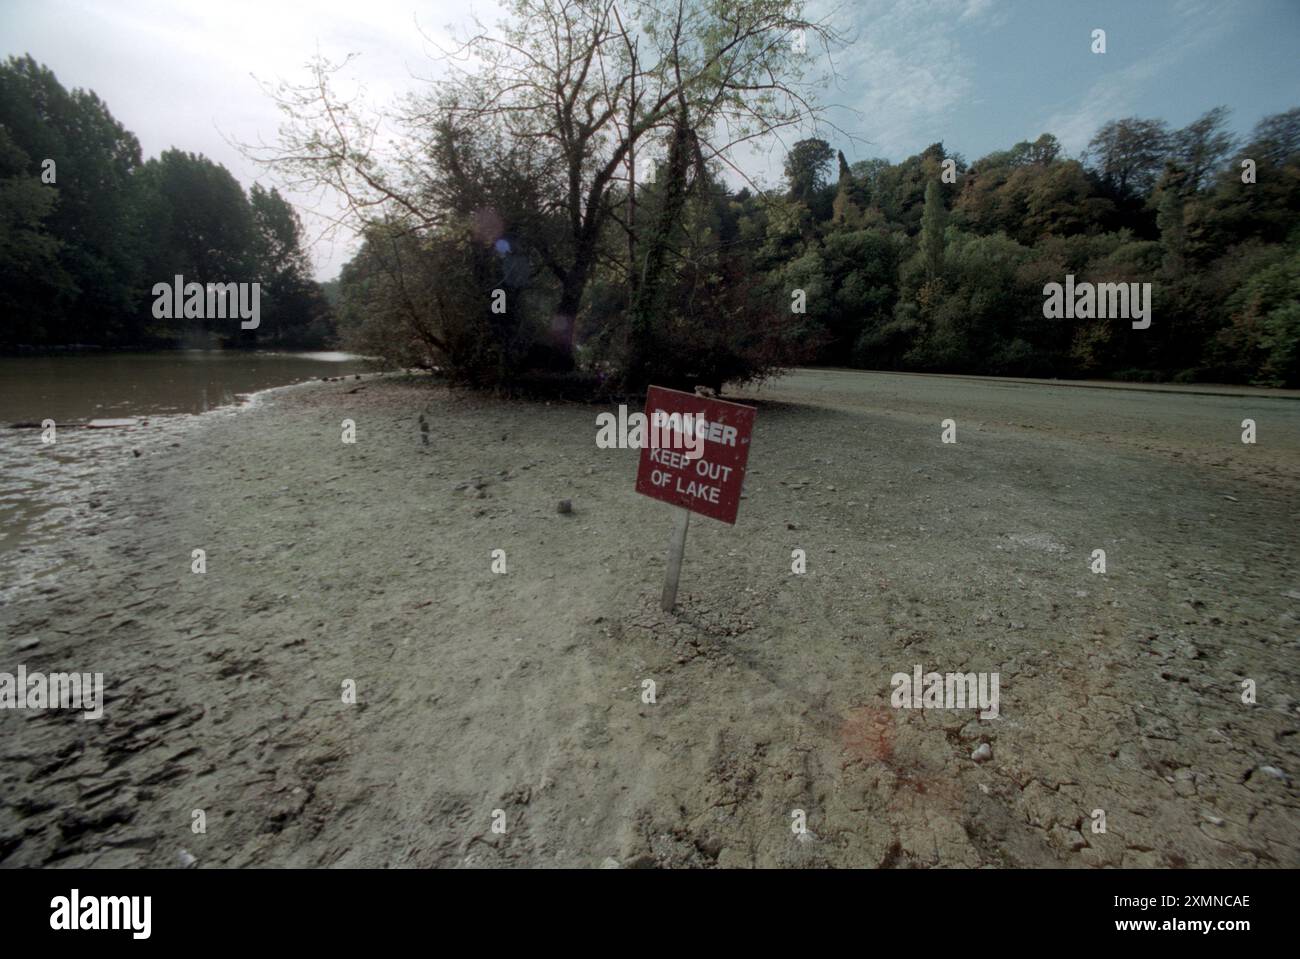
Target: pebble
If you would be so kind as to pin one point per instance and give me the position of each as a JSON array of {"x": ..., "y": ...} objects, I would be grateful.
[
  {"x": 983, "y": 753},
  {"x": 187, "y": 861},
  {"x": 610, "y": 862},
  {"x": 1273, "y": 771},
  {"x": 564, "y": 507}
]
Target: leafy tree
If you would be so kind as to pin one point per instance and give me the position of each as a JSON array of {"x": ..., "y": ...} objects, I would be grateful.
[
  {"x": 1202, "y": 147},
  {"x": 1277, "y": 137},
  {"x": 81, "y": 250},
  {"x": 806, "y": 169},
  {"x": 1128, "y": 154},
  {"x": 1170, "y": 216},
  {"x": 94, "y": 158},
  {"x": 1263, "y": 339},
  {"x": 32, "y": 280},
  {"x": 933, "y": 222}
]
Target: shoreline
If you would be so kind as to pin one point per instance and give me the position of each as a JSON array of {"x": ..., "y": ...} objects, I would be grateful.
[{"x": 521, "y": 692}]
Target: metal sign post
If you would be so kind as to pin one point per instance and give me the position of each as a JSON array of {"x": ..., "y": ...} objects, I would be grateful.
[
  {"x": 676, "y": 548},
  {"x": 695, "y": 458}
]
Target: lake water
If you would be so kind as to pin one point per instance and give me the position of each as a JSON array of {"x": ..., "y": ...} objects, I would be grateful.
[
  {"x": 81, "y": 387},
  {"x": 42, "y": 485}
]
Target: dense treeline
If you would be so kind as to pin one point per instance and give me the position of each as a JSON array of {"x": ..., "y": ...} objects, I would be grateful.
[
  {"x": 519, "y": 230},
  {"x": 518, "y": 233},
  {"x": 904, "y": 270},
  {"x": 87, "y": 228},
  {"x": 894, "y": 267}
]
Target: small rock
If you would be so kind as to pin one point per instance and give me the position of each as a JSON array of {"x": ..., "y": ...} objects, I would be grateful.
[
  {"x": 1272, "y": 771},
  {"x": 609, "y": 862},
  {"x": 983, "y": 753},
  {"x": 711, "y": 846},
  {"x": 564, "y": 507},
  {"x": 135, "y": 453},
  {"x": 186, "y": 860},
  {"x": 30, "y": 643}
]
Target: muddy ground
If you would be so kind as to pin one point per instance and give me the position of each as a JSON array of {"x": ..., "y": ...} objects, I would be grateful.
[{"x": 522, "y": 692}]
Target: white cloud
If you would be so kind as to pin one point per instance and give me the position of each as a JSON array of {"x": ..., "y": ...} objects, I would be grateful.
[
  {"x": 976, "y": 8},
  {"x": 1115, "y": 94},
  {"x": 906, "y": 73}
]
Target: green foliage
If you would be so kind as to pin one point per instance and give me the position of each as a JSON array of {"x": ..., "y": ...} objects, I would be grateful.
[
  {"x": 970, "y": 297},
  {"x": 675, "y": 279},
  {"x": 79, "y": 256},
  {"x": 1263, "y": 340},
  {"x": 806, "y": 168},
  {"x": 933, "y": 222},
  {"x": 1128, "y": 155}
]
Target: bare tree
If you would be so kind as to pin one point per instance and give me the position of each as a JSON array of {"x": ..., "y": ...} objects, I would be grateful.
[{"x": 568, "y": 94}]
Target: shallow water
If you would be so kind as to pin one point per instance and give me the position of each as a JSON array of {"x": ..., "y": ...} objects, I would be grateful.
[
  {"x": 81, "y": 387},
  {"x": 43, "y": 485}
]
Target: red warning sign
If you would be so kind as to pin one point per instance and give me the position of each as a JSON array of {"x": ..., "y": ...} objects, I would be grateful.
[{"x": 695, "y": 452}]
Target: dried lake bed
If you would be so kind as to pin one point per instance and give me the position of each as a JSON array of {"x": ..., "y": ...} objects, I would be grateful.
[{"x": 521, "y": 693}]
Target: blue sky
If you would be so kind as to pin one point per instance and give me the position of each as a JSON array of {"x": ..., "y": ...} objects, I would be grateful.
[{"x": 979, "y": 75}]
